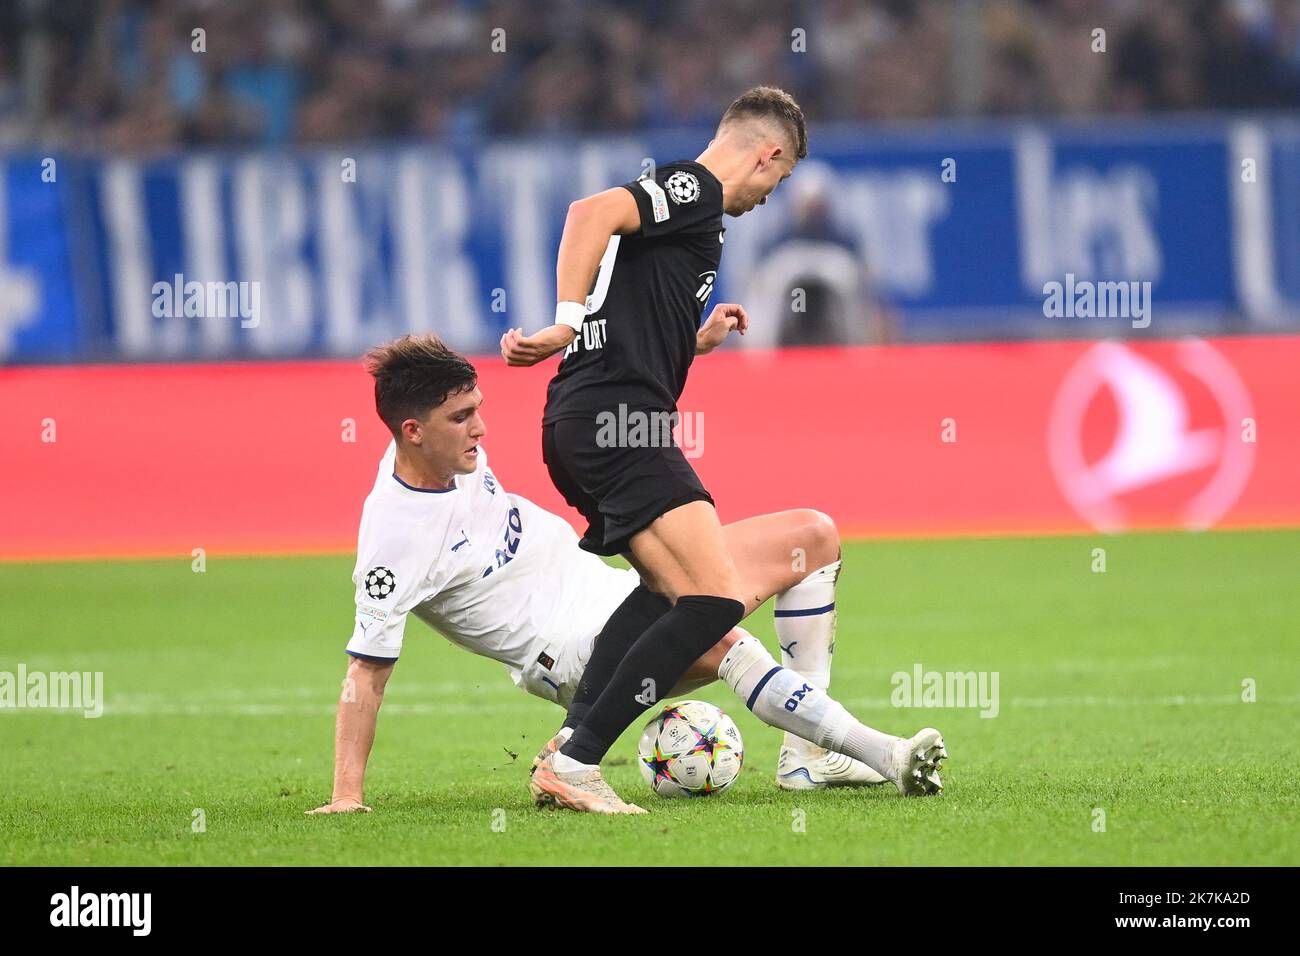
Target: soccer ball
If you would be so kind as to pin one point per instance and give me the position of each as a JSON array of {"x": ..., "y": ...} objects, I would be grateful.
[{"x": 691, "y": 749}]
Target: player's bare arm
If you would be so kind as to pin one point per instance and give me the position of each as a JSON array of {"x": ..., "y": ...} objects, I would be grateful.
[
  {"x": 354, "y": 733},
  {"x": 587, "y": 231}
]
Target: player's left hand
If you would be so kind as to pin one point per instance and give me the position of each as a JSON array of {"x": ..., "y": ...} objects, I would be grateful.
[
  {"x": 726, "y": 317},
  {"x": 520, "y": 349}
]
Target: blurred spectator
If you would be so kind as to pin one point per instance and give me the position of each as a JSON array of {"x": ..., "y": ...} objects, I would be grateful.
[
  {"x": 126, "y": 74},
  {"x": 810, "y": 284}
]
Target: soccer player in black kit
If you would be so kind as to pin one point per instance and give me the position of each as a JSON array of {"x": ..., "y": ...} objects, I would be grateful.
[{"x": 653, "y": 247}]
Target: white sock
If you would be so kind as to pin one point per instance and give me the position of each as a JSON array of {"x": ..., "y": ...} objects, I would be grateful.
[
  {"x": 788, "y": 700},
  {"x": 566, "y": 764},
  {"x": 805, "y": 629}
]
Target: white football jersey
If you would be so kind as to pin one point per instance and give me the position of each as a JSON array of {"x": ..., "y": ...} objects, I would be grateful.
[{"x": 490, "y": 571}]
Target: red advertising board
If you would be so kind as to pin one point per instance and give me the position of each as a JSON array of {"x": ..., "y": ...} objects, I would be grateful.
[{"x": 910, "y": 440}]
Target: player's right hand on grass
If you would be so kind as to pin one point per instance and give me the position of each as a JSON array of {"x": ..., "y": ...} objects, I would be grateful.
[{"x": 341, "y": 805}]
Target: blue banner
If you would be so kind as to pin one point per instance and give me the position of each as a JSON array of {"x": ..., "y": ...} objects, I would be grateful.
[{"x": 932, "y": 232}]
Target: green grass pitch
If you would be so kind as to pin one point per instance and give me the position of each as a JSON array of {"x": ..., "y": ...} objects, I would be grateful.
[{"x": 1120, "y": 691}]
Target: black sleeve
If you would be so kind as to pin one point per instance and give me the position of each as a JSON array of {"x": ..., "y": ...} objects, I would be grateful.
[{"x": 677, "y": 199}]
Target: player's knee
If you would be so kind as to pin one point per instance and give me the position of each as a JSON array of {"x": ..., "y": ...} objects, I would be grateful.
[{"x": 818, "y": 529}]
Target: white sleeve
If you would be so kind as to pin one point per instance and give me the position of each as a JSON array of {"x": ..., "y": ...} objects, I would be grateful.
[
  {"x": 377, "y": 633},
  {"x": 380, "y": 621},
  {"x": 388, "y": 586},
  {"x": 393, "y": 570}
]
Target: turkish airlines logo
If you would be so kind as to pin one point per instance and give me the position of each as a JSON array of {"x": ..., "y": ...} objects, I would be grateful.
[{"x": 1151, "y": 438}]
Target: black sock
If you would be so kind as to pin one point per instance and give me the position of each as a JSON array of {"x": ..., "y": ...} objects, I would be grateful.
[
  {"x": 629, "y": 621},
  {"x": 661, "y": 656}
]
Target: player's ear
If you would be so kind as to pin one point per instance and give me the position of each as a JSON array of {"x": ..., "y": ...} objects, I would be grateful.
[{"x": 412, "y": 431}]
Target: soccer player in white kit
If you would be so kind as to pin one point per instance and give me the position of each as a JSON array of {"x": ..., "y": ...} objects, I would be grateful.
[{"x": 442, "y": 539}]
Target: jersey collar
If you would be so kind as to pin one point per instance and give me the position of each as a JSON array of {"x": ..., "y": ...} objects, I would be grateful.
[{"x": 426, "y": 491}]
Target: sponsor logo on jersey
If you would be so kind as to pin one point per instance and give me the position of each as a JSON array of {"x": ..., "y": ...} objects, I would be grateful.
[
  {"x": 514, "y": 534},
  {"x": 380, "y": 583},
  {"x": 657, "y": 199},
  {"x": 683, "y": 187},
  {"x": 371, "y": 612},
  {"x": 464, "y": 540},
  {"x": 706, "y": 287}
]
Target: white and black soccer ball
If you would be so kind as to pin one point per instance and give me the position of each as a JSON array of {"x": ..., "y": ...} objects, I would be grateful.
[
  {"x": 690, "y": 749},
  {"x": 682, "y": 187},
  {"x": 380, "y": 583}
]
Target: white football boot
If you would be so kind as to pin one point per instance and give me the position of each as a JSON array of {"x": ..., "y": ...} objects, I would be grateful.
[
  {"x": 814, "y": 768},
  {"x": 914, "y": 767},
  {"x": 583, "y": 790}
]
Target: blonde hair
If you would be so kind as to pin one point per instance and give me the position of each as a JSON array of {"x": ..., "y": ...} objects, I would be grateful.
[{"x": 775, "y": 106}]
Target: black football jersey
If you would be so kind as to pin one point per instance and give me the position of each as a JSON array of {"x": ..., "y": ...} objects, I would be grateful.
[{"x": 647, "y": 301}]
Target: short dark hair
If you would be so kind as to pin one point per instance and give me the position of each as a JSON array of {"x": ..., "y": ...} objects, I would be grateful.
[
  {"x": 770, "y": 103},
  {"x": 414, "y": 375}
]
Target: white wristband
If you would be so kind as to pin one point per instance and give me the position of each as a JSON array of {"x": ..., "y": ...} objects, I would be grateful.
[{"x": 570, "y": 314}]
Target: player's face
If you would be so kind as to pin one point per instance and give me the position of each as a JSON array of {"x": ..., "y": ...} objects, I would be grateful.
[
  {"x": 768, "y": 173},
  {"x": 452, "y": 432}
]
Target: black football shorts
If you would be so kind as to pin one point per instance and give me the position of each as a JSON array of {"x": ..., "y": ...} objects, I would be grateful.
[{"x": 619, "y": 490}]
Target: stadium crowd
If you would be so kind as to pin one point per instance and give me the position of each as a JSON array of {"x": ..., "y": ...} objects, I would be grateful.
[{"x": 122, "y": 74}]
